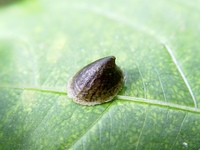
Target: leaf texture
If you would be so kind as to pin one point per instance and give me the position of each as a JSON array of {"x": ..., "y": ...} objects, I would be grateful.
[{"x": 44, "y": 43}]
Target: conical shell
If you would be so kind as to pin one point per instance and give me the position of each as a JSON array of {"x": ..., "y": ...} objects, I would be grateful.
[{"x": 97, "y": 82}]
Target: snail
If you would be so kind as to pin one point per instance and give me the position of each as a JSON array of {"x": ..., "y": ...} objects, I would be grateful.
[{"x": 96, "y": 83}]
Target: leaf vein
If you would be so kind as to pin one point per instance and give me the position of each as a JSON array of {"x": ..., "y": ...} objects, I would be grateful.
[
  {"x": 42, "y": 120},
  {"x": 179, "y": 131},
  {"x": 144, "y": 87},
  {"x": 160, "y": 81},
  {"x": 170, "y": 51},
  {"x": 141, "y": 132},
  {"x": 120, "y": 97},
  {"x": 159, "y": 103},
  {"x": 95, "y": 122},
  {"x": 122, "y": 20}
]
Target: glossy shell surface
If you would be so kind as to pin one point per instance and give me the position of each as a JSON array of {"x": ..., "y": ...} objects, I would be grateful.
[{"x": 96, "y": 83}]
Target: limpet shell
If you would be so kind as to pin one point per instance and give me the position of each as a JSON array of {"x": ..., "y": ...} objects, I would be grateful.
[{"x": 97, "y": 82}]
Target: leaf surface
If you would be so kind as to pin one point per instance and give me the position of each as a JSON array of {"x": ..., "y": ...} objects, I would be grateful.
[{"x": 44, "y": 43}]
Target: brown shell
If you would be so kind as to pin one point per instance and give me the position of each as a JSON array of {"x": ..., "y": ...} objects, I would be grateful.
[{"x": 97, "y": 82}]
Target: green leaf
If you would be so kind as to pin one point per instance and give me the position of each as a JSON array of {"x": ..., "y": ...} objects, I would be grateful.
[{"x": 44, "y": 43}]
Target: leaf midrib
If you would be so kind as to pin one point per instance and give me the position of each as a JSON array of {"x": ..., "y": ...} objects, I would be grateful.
[{"x": 119, "y": 97}]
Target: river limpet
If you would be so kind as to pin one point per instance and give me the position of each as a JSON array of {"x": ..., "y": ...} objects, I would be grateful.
[{"x": 97, "y": 82}]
